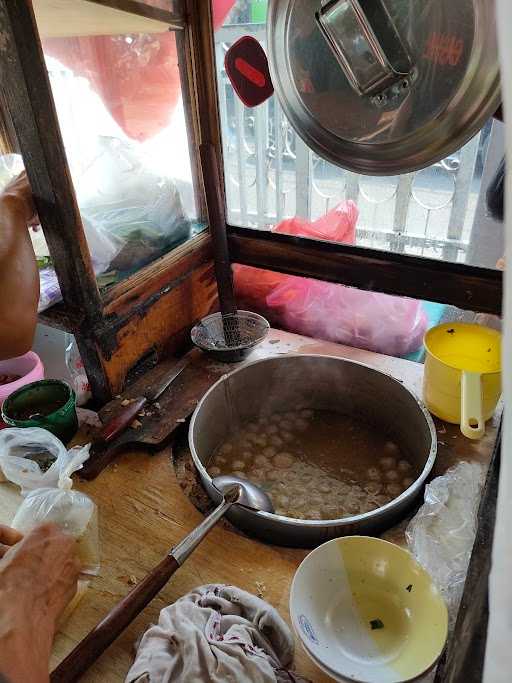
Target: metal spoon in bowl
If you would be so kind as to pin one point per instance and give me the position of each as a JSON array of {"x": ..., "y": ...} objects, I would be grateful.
[{"x": 235, "y": 492}]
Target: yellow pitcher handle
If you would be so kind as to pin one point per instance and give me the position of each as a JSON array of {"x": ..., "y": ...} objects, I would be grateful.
[{"x": 472, "y": 422}]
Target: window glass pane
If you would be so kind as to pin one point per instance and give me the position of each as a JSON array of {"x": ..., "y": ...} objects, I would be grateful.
[
  {"x": 120, "y": 109},
  {"x": 271, "y": 175}
]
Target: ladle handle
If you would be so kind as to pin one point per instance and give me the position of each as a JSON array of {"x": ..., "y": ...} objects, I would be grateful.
[
  {"x": 472, "y": 423},
  {"x": 121, "y": 616}
]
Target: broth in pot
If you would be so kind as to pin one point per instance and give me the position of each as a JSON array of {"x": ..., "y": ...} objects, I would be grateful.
[{"x": 316, "y": 464}]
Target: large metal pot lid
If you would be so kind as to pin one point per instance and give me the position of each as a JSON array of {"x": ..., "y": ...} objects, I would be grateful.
[{"x": 384, "y": 86}]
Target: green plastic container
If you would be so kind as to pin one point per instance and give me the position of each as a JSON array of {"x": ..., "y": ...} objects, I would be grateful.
[
  {"x": 49, "y": 403},
  {"x": 259, "y": 11}
]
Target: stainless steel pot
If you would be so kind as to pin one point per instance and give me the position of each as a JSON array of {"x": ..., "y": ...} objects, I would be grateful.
[{"x": 322, "y": 383}]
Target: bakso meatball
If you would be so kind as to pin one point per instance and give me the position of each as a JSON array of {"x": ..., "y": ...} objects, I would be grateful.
[
  {"x": 393, "y": 489},
  {"x": 275, "y": 475},
  {"x": 214, "y": 472},
  {"x": 238, "y": 465},
  {"x": 301, "y": 425},
  {"x": 283, "y": 460},
  {"x": 408, "y": 481},
  {"x": 330, "y": 512},
  {"x": 352, "y": 507},
  {"x": 404, "y": 466},
  {"x": 282, "y": 501},
  {"x": 387, "y": 463},
  {"x": 390, "y": 448},
  {"x": 261, "y": 461},
  {"x": 324, "y": 486},
  {"x": 257, "y": 474},
  {"x": 373, "y": 487},
  {"x": 391, "y": 475},
  {"x": 373, "y": 474}
]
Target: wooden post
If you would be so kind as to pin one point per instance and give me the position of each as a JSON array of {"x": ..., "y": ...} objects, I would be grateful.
[
  {"x": 28, "y": 96},
  {"x": 200, "y": 44}
]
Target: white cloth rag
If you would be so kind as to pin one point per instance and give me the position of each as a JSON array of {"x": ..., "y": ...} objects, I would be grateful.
[{"x": 216, "y": 634}]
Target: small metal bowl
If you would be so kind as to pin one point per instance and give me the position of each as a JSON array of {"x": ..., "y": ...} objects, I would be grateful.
[{"x": 230, "y": 338}]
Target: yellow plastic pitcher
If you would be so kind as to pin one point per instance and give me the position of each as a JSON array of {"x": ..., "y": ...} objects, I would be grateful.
[{"x": 462, "y": 380}]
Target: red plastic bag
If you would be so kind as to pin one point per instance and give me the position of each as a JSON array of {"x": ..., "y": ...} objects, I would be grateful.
[
  {"x": 136, "y": 76},
  {"x": 378, "y": 322},
  {"x": 339, "y": 225},
  {"x": 253, "y": 285}
]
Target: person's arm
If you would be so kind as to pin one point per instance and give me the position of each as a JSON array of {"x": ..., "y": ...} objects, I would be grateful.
[
  {"x": 19, "y": 277},
  {"x": 38, "y": 578}
]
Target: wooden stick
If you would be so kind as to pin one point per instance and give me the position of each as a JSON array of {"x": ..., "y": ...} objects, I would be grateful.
[{"x": 217, "y": 220}]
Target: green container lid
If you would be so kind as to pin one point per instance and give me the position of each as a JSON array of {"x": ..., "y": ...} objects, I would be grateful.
[{"x": 49, "y": 403}]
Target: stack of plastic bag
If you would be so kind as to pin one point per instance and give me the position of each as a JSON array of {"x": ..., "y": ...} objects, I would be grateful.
[{"x": 442, "y": 533}]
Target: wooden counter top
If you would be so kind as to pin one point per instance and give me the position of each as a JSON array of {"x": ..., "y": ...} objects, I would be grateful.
[{"x": 143, "y": 513}]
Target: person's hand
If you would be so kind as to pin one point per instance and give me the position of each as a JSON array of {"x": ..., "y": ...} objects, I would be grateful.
[
  {"x": 42, "y": 568},
  {"x": 8, "y": 538},
  {"x": 38, "y": 578},
  {"x": 19, "y": 193}
]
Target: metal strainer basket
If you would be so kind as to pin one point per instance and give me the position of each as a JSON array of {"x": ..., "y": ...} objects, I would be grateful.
[{"x": 230, "y": 337}]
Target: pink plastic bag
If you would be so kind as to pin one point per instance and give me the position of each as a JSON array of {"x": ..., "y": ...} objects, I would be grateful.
[{"x": 367, "y": 320}]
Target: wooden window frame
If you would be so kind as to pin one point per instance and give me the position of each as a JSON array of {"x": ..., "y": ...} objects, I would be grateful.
[
  {"x": 457, "y": 284},
  {"x": 101, "y": 323}
]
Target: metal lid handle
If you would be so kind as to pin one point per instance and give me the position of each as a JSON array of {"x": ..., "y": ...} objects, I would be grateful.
[{"x": 366, "y": 43}]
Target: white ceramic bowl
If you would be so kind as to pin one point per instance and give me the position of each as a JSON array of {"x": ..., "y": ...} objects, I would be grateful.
[{"x": 366, "y": 611}]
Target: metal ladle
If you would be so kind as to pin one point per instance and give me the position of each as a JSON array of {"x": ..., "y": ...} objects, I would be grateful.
[{"x": 235, "y": 492}]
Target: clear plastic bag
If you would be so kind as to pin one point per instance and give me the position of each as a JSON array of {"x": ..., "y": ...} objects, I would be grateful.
[
  {"x": 73, "y": 511},
  {"x": 442, "y": 533},
  {"x": 140, "y": 210},
  {"x": 76, "y": 369},
  {"x": 39, "y": 463},
  {"x": 11, "y": 165},
  {"x": 21, "y": 451}
]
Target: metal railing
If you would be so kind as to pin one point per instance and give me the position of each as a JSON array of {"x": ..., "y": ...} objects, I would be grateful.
[{"x": 271, "y": 174}]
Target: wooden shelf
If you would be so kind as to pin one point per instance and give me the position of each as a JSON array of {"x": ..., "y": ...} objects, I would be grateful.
[{"x": 72, "y": 18}]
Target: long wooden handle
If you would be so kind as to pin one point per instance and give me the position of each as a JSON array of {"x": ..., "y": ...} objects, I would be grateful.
[
  {"x": 104, "y": 634},
  {"x": 120, "y": 422}
]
